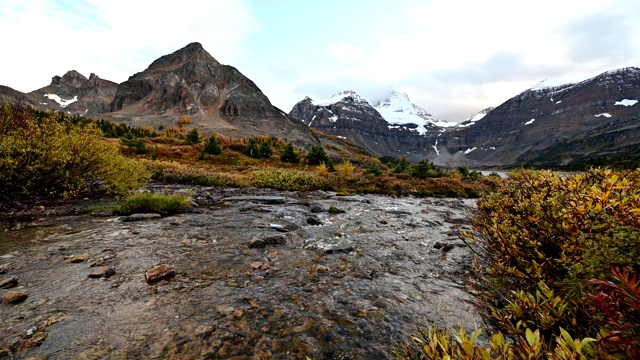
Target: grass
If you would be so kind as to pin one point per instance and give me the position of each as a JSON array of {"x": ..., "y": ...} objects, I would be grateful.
[{"x": 153, "y": 203}]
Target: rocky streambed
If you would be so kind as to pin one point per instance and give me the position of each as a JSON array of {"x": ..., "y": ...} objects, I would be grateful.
[{"x": 246, "y": 274}]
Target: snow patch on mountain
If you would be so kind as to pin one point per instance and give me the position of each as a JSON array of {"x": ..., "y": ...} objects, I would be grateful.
[
  {"x": 62, "y": 102},
  {"x": 607, "y": 115},
  {"x": 626, "y": 102},
  {"x": 475, "y": 117},
  {"x": 530, "y": 122}
]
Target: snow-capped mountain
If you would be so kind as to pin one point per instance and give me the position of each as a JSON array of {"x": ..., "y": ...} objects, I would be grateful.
[{"x": 397, "y": 109}]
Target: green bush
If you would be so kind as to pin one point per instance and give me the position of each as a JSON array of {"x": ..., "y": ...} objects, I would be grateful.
[
  {"x": 153, "y": 202},
  {"x": 46, "y": 155},
  {"x": 317, "y": 155},
  {"x": 287, "y": 179}
]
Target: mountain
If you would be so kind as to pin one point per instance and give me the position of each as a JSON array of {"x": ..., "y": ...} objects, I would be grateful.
[
  {"x": 595, "y": 121},
  {"x": 565, "y": 125},
  {"x": 76, "y": 94},
  {"x": 349, "y": 116},
  {"x": 72, "y": 93},
  {"x": 398, "y": 110},
  {"x": 217, "y": 97}
]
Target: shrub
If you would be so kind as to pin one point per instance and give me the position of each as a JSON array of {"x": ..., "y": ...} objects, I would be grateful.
[
  {"x": 184, "y": 120},
  {"x": 618, "y": 304},
  {"x": 135, "y": 143},
  {"x": 541, "y": 227},
  {"x": 289, "y": 155},
  {"x": 287, "y": 179},
  {"x": 45, "y": 155},
  {"x": 346, "y": 168},
  {"x": 432, "y": 343},
  {"x": 153, "y": 202},
  {"x": 175, "y": 173}
]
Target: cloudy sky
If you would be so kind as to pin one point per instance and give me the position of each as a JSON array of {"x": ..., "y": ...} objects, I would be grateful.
[{"x": 452, "y": 57}]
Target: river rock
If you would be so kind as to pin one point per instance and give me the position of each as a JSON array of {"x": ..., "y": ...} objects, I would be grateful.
[
  {"x": 140, "y": 217},
  {"x": 102, "y": 272},
  {"x": 158, "y": 272},
  {"x": 74, "y": 259},
  {"x": 9, "y": 283},
  {"x": 14, "y": 297},
  {"x": 256, "y": 243},
  {"x": 313, "y": 220}
]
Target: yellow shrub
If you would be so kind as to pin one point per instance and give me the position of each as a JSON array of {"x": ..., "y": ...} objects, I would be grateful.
[
  {"x": 48, "y": 155},
  {"x": 346, "y": 168}
]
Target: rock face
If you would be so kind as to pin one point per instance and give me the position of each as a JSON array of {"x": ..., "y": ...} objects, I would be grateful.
[
  {"x": 216, "y": 97},
  {"x": 351, "y": 288}
]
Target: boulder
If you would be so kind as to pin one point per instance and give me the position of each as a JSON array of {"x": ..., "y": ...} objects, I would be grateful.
[
  {"x": 158, "y": 272},
  {"x": 9, "y": 283},
  {"x": 102, "y": 272},
  {"x": 14, "y": 297}
]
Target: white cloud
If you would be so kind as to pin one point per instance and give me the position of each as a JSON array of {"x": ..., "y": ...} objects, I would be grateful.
[{"x": 115, "y": 39}]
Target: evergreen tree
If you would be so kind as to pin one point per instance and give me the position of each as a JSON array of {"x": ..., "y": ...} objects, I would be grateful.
[
  {"x": 317, "y": 155},
  {"x": 265, "y": 150},
  {"x": 193, "y": 137},
  {"x": 289, "y": 154},
  {"x": 212, "y": 146},
  {"x": 154, "y": 155},
  {"x": 374, "y": 169},
  {"x": 403, "y": 165},
  {"x": 252, "y": 150}
]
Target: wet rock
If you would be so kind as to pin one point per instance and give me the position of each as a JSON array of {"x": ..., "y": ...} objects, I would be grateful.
[
  {"x": 158, "y": 272},
  {"x": 256, "y": 243},
  {"x": 9, "y": 283},
  {"x": 102, "y": 272},
  {"x": 74, "y": 259},
  {"x": 313, "y": 220},
  {"x": 140, "y": 217},
  {"x": 258, "y": 265},
  {"x": 284, "y": 226},
  {"x": 204, "y": 331},
  {"x": 39, "y": 208},
  {"x": 4, "y": 268},
  {"x": 102, "y": 213},
  {"x": 14, "y": 297},
  {"x": 316, "y": 207},
  {"x": 262, "y": 199},
  {"x": 334, "y": 210}
]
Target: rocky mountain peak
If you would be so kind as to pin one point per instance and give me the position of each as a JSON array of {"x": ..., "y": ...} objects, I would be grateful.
[
  {"x": 192, "y": 53},
  {"x": 72, "y": 78},
  {"x": 345, "y": 96}
]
